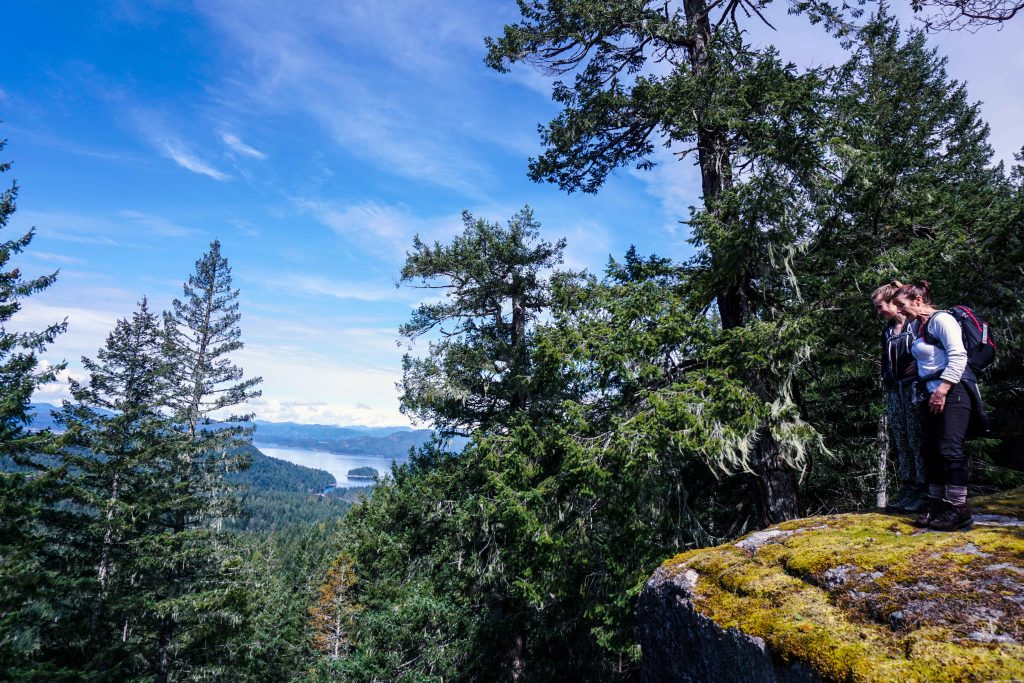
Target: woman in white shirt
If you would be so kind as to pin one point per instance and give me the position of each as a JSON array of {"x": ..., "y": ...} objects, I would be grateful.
[{"x": 945, "y": 411}]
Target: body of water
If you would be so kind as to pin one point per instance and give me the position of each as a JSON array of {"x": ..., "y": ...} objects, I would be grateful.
[{"x": 338, "y": 464}]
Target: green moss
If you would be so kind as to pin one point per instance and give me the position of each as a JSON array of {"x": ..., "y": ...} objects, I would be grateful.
[{"x": 870, "y": 598}]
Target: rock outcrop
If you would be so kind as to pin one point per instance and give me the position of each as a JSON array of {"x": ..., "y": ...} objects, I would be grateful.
[{"x": 856, "y": 597}]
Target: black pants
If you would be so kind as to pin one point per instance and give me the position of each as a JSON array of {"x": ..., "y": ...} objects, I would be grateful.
[{"x": 943, "y": 436}]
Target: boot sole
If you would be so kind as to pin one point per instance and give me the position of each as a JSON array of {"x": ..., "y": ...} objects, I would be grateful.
[{"x": 965, "y": 526}]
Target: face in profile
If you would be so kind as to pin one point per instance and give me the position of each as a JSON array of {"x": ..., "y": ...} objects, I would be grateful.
[
  {"x": 909, "y": 307},
  {"x": 886, "y": 308}
]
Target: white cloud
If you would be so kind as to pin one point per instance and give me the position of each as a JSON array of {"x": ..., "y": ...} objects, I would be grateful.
[
  {"x": 237, "y": 145},
  {"x": 309, "y": 387},
  {"x": 390, "y": 85},
  {"x": 385, "y": 229},
  {"x": 70, "y": 227},
  {"x": 336, "y": 289},
  {"x": 675, "y": 183},
  {"x": 175, "y": 151},
  {"x": 588, "y": 245},
  {"x": 156, "y": 224},
  {"x": 49, "y": 257}
]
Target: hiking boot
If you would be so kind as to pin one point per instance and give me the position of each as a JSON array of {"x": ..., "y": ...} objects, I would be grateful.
[
  {"x": 935, "y": 507},
  {"x": 952, "y": 517},
  {"x": 909, "y": 499}
]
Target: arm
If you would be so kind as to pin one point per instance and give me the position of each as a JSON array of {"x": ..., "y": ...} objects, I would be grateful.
[{"x": 947, "y": 331}]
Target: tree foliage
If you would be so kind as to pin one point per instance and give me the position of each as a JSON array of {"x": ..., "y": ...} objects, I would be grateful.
[
  {"x": 24, "y": 578},
  {"x": 493, "y": 283}
]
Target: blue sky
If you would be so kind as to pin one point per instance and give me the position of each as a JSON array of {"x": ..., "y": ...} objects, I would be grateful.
[{"x": 314, "y": 140}]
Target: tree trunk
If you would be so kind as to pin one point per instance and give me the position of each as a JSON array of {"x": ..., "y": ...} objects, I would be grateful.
[
  {"x": 881, "y": 497},
  {"x": 774, "y": 488},
  {"x": 163, "y": 651},
  {"x": 515, "y": 654},
  {"x": 773, "y": 485},
  {"x": 519, "y": 354}
]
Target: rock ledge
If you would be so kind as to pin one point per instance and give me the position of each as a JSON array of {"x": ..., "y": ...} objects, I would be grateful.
[{"x": 858, "y": 597}]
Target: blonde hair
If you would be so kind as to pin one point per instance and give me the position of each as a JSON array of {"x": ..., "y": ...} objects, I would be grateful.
[{"x": 888, "y": 291}]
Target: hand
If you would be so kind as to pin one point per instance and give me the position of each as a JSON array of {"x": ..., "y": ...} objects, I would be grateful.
[
  {"x": 911, "y": 370},
  {"x": 937, "y": 401}
]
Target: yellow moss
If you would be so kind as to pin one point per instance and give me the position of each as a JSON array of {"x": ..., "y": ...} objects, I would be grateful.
[
  {"x": 850, "y": 633},
  {"x": 1009, "y": 503}
]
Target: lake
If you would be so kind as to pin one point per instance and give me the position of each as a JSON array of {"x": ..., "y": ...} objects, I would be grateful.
[{"x": 338, "y": 464}]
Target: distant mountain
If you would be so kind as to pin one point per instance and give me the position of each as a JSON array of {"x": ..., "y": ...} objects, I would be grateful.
[
  {"x": 394, "y": 445},
  {"x": 392, "y": 442},
  {"x": 41, "y": 418},
  {"x": 279, "y": 430}
]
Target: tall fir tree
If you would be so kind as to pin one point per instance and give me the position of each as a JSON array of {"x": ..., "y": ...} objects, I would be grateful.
[
  {"x": 911, "y": 189},
  {"x": 203, "y": 594},
  {"x": 25, "y": 489}
]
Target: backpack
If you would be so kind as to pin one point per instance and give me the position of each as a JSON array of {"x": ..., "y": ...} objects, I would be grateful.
[{"x": 981, "y": 350}]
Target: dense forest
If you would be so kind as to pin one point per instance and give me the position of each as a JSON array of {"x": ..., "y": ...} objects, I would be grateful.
[{"x": 604, "y": 421}]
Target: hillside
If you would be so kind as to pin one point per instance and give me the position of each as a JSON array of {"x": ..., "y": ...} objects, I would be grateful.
[{"x": 394, "y": 442}]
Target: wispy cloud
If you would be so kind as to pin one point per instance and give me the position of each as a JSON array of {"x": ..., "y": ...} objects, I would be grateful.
[
  {"x": 419, "y": 126},
  {"x": 310, "y": 387},
  {"x": 50, "y": 257},
  {"x": 156, "y": 224},
  {"x": 240, "y": 147},
  {"x": 385, "y": 229},
  {"x": 176, "y": 152},
  {"x": 336, "y": 289}
]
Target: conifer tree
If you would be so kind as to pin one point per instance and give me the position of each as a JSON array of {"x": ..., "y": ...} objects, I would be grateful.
[
  {"x": 202, "y": 595},
  {"x": 648, "y": 73},
  {"x": 331, "y": 619},
  {"x": 477, "y": 373},
  {"x": 118, "y": 449},
  {"x": 911, "y": 190},
  {"x": 24, "y": 488}
]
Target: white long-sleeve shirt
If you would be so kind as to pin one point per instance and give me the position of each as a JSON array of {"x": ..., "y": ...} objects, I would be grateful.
[{"x": 948, "y": 357}]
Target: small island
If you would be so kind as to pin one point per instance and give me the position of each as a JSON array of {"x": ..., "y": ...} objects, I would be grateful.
[{"x": 362, "y": 473}]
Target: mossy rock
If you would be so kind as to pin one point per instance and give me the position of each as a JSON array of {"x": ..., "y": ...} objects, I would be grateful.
[{"x": 869, "y": 597}]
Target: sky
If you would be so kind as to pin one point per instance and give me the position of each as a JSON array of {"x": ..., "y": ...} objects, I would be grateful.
[{"x": 314, "y": 140}]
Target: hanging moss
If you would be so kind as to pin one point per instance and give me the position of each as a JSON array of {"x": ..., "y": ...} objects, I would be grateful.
[{"x": 871, "y": 598}]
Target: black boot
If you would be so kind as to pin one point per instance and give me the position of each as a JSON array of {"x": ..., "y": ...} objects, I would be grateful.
[
  {"x": 910, "y": 498},
  {"x": 934, "y": 508},
  {"x": 952, "y": 517}
]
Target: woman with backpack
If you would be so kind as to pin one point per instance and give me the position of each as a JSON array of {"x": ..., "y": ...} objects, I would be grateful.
[
  {"x": 898, "y": 374},
  {"x": 945, "y": 409}
]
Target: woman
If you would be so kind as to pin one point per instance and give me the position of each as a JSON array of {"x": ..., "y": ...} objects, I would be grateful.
[
  {"x": 898, "y": 373},
  {"x": 945, "y": 410}
]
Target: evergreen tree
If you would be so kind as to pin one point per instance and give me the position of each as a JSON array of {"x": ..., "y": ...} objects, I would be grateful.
[
  {"x": 645, "y": 71},
  {"x": 477, "y": 371},
  {"x": 24, "y": 489},
  {"x": 911, "y": 191},
  {"x": 203, "y": 592},
  {"x": 118, "y": 450}
]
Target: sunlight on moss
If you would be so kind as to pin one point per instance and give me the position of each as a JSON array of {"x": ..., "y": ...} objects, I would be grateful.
[{"x": 870, "y": 598}]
